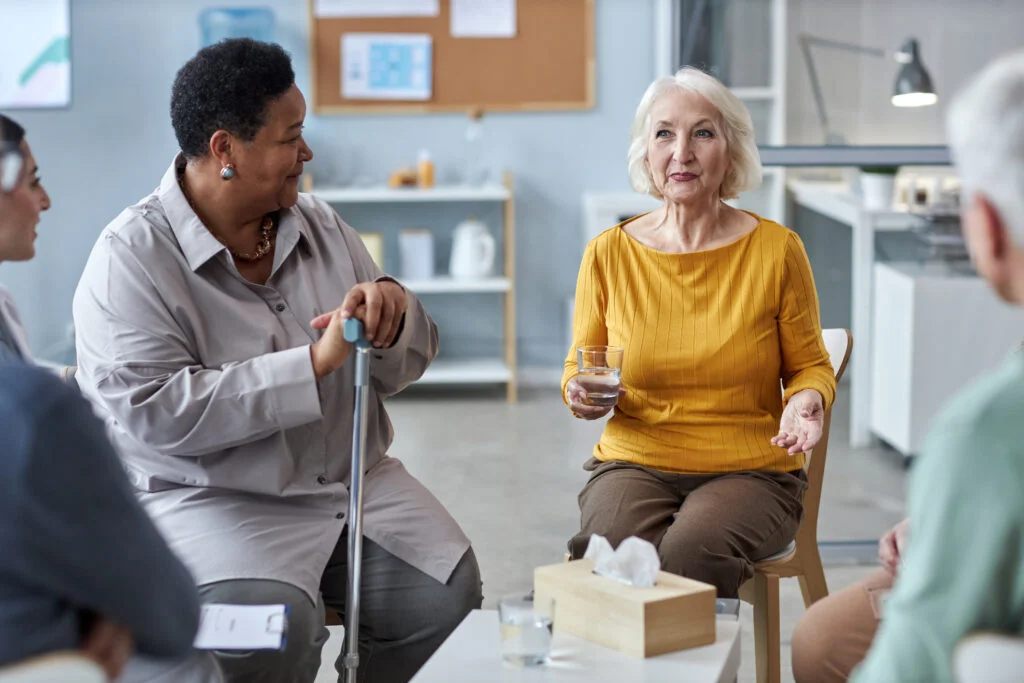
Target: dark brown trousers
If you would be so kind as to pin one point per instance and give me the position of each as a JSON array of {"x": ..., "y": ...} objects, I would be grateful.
[{"x": 708, "y": 527}]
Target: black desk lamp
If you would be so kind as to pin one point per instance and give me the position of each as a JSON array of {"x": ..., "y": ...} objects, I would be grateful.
[{"x": 913, "y": 87}]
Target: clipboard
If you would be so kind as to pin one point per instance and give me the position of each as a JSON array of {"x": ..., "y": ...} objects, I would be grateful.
[{"x": 242, "y": 627}]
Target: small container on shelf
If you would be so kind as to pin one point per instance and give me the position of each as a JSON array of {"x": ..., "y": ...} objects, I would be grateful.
[{"x": 425, "y": 169}]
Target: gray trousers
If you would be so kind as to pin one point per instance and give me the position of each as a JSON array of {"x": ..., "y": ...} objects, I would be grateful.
[{"x": 404, "y": 617}]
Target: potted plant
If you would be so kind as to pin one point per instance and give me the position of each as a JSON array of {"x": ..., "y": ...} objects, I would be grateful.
[{"x": 878, "y": 186}]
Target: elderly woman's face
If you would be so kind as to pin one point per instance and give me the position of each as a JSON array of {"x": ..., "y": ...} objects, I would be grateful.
[
  {"x": 19, "y": 212},
  {"x": 686, "y": 152},
  {"x": 272, "y": 163}
]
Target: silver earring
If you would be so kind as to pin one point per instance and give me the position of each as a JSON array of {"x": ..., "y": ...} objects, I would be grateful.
[{"x": 228, "y": 172}]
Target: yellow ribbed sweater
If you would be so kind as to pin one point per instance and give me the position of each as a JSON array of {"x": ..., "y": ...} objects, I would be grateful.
[{"x": 707, "y": 336}]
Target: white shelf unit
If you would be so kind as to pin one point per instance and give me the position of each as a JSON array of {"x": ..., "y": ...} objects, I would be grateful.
[
  {"x": 448, "y": 285},
  {"x": 456, "y": 371},
  {"x": 468, "y": 372},
  {"x": 390, "y": 195}
]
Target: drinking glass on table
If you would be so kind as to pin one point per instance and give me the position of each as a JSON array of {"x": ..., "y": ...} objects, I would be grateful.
[
  {"x": 526, "y": 627},
  {"x": 599, "y": 374}
]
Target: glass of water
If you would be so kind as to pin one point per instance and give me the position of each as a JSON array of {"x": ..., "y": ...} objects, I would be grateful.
[
  {"x": 526, "y": 627},
  {"x": 599, "y": 372}
]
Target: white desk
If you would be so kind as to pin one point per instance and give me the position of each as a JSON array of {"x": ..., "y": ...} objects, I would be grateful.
[
  {"x": 472, "y": 654},
  {"x": 836, "y": 202}
]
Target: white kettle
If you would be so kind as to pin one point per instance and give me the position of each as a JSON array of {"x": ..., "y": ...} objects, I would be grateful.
[{"x": 472, "y": 251}]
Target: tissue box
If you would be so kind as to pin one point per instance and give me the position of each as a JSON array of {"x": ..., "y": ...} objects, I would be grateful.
[{"x": 674, "y": 614}]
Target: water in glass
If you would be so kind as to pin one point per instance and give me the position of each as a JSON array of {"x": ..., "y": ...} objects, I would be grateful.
[
  {"x": 526, "y": 637},
  {"x": 601, "y": 384}
]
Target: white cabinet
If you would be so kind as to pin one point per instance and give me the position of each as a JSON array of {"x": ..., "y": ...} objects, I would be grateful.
[
  {"x": 935, "y": 329},
  {"x": 501, "y": 286}
]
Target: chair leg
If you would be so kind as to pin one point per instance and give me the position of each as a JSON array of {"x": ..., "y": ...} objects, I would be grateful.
[
  {"x": 767, "y": 641},
  {"x": 812, "y": 582}
]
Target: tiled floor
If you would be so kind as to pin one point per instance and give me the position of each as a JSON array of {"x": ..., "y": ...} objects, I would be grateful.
[{"x": 510, "y": 474}]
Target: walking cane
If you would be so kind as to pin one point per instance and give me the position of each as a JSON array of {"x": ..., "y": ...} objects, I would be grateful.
[{"x": 355, "y": 333}]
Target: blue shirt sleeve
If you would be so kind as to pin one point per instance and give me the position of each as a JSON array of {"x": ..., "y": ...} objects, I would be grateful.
[
  {"x": 84, "y": 536},
  {"x": 962, "y": 570}
]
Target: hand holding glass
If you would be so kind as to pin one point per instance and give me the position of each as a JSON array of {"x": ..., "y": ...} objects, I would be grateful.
[{"x": 599, "y": 373}]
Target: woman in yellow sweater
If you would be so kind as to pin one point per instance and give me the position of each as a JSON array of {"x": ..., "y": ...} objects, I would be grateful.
[{"x": 714, "y": 307}]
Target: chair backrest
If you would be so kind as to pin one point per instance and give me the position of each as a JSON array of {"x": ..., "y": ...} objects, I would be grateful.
[
  {"x": 839, "y": 344},
  {"x": 66, "y": 667},
  {"x": 989, "y": 658}
]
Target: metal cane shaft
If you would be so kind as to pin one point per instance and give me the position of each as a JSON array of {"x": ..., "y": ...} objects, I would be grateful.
[{"x": 355, "y": 503}]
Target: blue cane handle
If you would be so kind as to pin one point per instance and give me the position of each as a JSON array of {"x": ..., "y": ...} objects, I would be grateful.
[{"x": 355, "y": 332}]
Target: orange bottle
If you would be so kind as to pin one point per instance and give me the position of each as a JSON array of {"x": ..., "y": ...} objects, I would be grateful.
[{"x": 425, "y": 169}]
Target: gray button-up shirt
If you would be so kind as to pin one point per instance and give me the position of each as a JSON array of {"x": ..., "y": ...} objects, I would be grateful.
[{"x": 207, "y": 386}]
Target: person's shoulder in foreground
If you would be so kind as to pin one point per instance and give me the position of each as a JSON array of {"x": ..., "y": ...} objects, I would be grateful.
[
  {"x": 76, "y": 542},
  {"x": 963, "y": 569}
]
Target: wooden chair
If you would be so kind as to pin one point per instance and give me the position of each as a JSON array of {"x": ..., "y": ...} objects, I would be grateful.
[
  {"x": 800, "y": 559},
  {"x": 66, "y": 667},
  {"x": 989, "y": 658}
]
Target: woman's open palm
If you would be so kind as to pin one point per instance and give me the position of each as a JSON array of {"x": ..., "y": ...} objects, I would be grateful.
[{"x": 802, "y": 422}]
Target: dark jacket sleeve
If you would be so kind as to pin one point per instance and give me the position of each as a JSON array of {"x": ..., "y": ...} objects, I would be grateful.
[{"x": 86, "y": 538}]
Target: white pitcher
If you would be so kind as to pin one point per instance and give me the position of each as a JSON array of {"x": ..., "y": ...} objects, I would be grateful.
[{"x": 473, "y": 250}]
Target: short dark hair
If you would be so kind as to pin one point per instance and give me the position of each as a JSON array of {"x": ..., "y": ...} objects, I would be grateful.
[
  {"x": 10, "y": 131},
  {"x": 12, "y": 157},
  {"x": 228, "y": 86}
]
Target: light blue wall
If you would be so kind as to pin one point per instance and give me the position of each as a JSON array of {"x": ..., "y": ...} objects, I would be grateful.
[{"x": 113, "y": 144}]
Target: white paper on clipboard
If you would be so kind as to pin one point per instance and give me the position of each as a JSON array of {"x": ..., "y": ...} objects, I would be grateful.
[
  {"x": 241, "y": 627},
  {"x": 377, "y": 8}
]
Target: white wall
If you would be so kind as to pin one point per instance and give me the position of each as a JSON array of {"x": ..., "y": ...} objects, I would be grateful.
[{"x": 957, "y": 38}]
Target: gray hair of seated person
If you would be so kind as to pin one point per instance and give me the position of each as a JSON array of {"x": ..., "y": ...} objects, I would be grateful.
[
  {"x": 745, "y": 170},
  {"x": 985, "y": 130}
]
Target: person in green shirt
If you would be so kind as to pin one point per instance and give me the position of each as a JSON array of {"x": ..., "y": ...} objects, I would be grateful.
[{"x": 962, "y": 569}]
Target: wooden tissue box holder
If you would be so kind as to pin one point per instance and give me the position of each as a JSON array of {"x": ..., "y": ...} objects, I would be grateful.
[{"x": 674, "y": 614}]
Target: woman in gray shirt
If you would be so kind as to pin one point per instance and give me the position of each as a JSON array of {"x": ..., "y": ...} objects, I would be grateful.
[{"x": 208, "y": 323}]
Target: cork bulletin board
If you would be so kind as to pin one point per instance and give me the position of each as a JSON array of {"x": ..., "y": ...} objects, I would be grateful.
[{"x": 548, "y": 65}]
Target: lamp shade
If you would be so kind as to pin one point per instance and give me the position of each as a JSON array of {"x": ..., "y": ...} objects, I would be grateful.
[{"x": 913, "y": 83}]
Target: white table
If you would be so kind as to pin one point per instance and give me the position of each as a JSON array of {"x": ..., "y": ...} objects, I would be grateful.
[
  {"x": 835, "y": 201},
  {"x": 472, "y": 654}
]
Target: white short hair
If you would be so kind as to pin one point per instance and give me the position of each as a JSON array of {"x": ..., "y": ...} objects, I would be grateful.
[
  {"x": 985, "y": 128},
  {"x": 745, "y": 167}
]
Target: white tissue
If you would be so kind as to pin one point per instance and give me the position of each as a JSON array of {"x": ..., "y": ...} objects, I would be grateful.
[{"x": 635, "y": 562}]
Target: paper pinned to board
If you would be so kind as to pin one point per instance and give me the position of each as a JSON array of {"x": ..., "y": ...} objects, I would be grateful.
[
  {"x": 483, "y": 18},
  {"x": 386, "y": 66},
  {"x": 376, "y": 8},
  {"x": 241, "y": 627}
]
